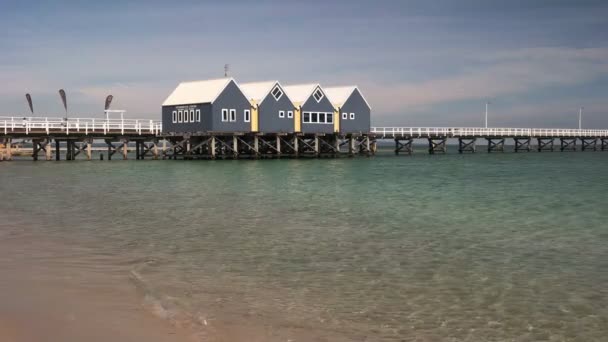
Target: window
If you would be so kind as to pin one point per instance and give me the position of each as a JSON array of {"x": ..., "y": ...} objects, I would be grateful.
[
  {"x": 191, "y": 115},
  {"x": 314, "y": 118},
  {"x": 232, "y": 115},
  {"x": 344, "y": 116},
  {"x": 174, "y": 116},
  {"x": 306, "y": 117},
  {"x": 321, "y": 117},
  {"x": 290, "y": 114},
  {"x": 224, "y": 115},
  {"x": 180, "y": 116},
  {"x": 198, "y": 115},
  {"x": 247, "y": 115},
  {"x": 330, "y": 118},
  {"x": 186, "y": 115},
  {"x": 281, "y": 114},
  {"x": 352, "y": 116},
  {"x": 318, "y": 95},
  {"x": 276, "y": 93}
]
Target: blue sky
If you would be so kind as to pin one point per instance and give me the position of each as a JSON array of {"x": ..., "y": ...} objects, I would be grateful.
[{"x": 419, "y": 63}]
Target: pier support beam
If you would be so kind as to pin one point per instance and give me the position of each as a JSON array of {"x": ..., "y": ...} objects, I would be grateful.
[
  {"x": 589, "y": 144},
  {"x": 467, "y": 145},
  {"x": 604, "y": 144},
  {"x": 48, "y": 149},
  {"x": 568, "y": 144},
  {"x": 57, "y": 150},
  {"x": 89, "y": 150},
  {"x": 496, "y": 144},
  {"x": 403, "y": 146},
  {"x": 545, "y": 144},
  {"x": 522, "y": 144},
  {"x": 437, "y": 145}
]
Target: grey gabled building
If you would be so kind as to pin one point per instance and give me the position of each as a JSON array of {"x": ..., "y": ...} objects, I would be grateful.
[
  {"x": 314, "y": 113},
  {"x": 207, "y": 106},
  {"x": 271, "y": 109},
  {"x": 353, "y": 109}
]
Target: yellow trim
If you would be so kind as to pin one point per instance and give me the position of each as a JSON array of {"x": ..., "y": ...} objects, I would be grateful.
[
  {"x": 255, "y": 126},
  {"x": 337, "y": 121},
  {"x": 297, "y": 120}
]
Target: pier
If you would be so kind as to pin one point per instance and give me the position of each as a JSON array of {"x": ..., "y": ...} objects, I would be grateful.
[
  {"x": 494, "y": 138},
  {"x": 52, "y": 138}
]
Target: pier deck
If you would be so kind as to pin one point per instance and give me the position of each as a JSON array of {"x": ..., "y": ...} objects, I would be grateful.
[{"x": 75, "y": 136}]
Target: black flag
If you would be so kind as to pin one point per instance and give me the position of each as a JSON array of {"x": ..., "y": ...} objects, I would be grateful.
[
  {"x": 29, "y": 102},
  {"x": 109, "y": 101},
  {"x": 64, "y": 100}
]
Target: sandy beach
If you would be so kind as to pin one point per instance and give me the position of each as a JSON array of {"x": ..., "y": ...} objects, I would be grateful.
[{"x": 45, "y": 298}]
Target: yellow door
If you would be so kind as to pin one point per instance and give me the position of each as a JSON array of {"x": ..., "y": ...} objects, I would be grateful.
[
  {"x": 337, "y": 121},
  {"x": 254, "y": 119},
  {"x": 297, "y": 121}
]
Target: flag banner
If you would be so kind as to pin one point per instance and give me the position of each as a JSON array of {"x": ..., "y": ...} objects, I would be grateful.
[
  {"x": 64, "y": 100},
  {"x": 29, "y": 102},
  {"x": 109, "y": 101}
]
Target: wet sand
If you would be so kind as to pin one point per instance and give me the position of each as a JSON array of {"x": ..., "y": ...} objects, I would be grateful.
[{"x": 46, "y": 294}]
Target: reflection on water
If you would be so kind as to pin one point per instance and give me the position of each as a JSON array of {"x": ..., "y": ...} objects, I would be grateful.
[{"x": 442, "y": 248}]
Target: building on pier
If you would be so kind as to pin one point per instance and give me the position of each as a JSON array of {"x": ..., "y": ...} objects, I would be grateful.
[
  {"x": 313, "y": 111},
  {"x": 207, "y": 106},
  {"x": 352, "y": 109},
  {"x": 271, "y": 109}
]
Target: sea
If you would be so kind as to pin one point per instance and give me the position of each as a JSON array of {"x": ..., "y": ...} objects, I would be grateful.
[{"x": 476, "y": 247}]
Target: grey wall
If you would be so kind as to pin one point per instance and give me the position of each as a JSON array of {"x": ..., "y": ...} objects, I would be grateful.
[
  {"x": 355, "y": 104},
  {"x": 311, "y": 105},
  {"x": 170, "y": 127},
  {"x": 230, "y": 98},
  {"x": 268, "y": 115}
]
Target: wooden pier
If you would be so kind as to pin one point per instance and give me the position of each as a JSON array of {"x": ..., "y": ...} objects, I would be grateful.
[
  {"x": 590, "y": 139},
  {"x": 52, "y": 138}
]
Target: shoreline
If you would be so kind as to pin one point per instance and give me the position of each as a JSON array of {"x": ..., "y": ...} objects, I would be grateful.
[{"x": 44, "y": 297}]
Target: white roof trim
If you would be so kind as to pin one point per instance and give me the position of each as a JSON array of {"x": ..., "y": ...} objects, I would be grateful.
[
  {"x": 302, "y": 92},
  {"x": 339, "y": 95},
  {"x": 206, "y": 91},
  {"x": 258, "y": 91}
]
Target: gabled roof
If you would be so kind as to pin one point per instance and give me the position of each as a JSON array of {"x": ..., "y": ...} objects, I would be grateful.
[
  {"x": 339, "y": 95},
  {"x": 197, "y": 92},
  {"x": 258, "y": 91},
  {"x": 299, "y": 93}
]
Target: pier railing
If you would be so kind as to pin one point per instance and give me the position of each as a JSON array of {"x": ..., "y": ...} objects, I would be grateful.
[
  {"x": 456, "y": 132},
  {"x": 82, "y": 126}
]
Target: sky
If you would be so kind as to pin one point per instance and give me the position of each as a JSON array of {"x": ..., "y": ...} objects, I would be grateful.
[{"x": 418, "y": 63}]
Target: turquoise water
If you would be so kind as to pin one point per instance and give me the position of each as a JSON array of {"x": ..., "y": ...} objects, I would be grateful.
[{"x": 484, "y": 247}]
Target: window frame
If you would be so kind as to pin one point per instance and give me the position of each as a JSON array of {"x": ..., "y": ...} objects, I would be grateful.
[
  {"x": 247, "y": 115},
  {"x": 191, "y": 115},
  {"x": 224, "y": 115},
  {"x": 306, "y": 117},
  {"x": 314, "y": 117},
  {"x": 281, "y": 114},
  {"x": 324, "y": 116},
  {"x": 198, "y": 115},
  {"x": 352, "y": 116},
  {"x": 174, "y": 116},
  {"x": 180, "y": 116},
  {"x": 272, "y": 92},
  {"x": 344, "y": 116},
  {"x": 290, "y": 114},
  {"x": 232, "y": 115},
  {"x": 329, "y": 116},
  {"x": 321, "y": 96}
]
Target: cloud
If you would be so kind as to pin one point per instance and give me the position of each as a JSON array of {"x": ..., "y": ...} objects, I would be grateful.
[{"x": 494, "y": 75}]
